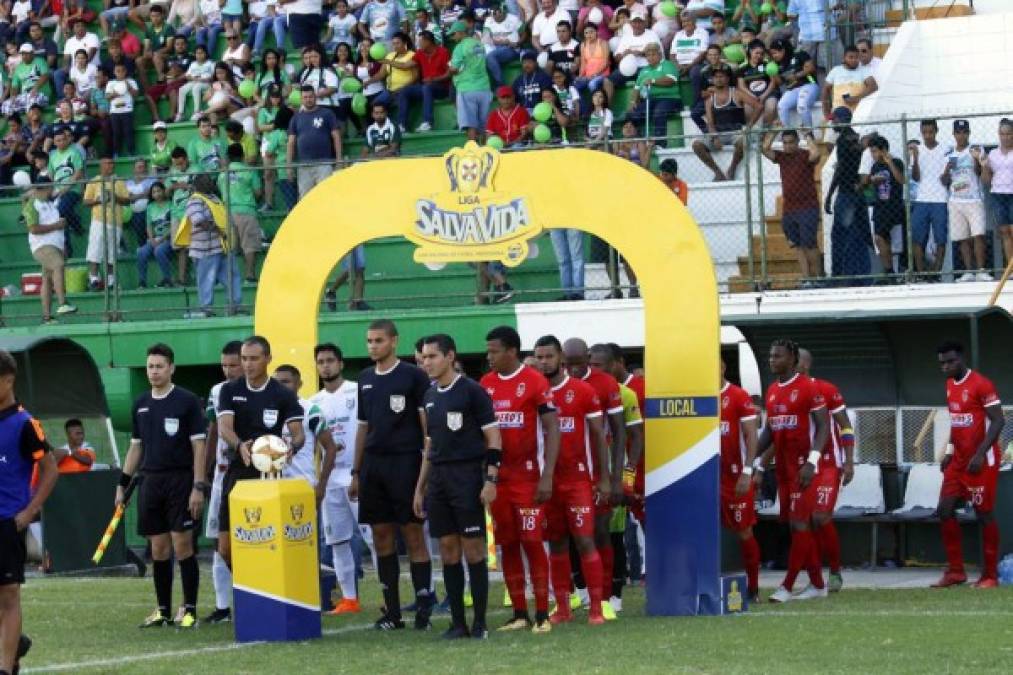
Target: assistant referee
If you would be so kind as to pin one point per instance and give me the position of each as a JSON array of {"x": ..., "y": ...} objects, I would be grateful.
[
  {"x": 458, "y": 479},
  {"x": 167, "y": 449}
]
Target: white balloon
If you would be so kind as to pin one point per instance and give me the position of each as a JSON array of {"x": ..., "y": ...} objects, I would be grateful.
[
  {"x": 628, "y": 66},
  {"x": 543, "y": 59},
  {"x": 595, "y": 16},
  {"x": 22, "y": 179},
  {"x": 435, "y": 266}
]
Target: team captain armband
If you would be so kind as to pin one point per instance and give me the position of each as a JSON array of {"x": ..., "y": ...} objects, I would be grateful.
[
  {"x": 848, "y": 437},
  {"x": 493, "y": 457}
]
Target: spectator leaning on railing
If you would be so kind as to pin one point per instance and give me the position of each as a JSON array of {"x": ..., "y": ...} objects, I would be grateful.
[
  {"x": 928, "y": 210},
  {"x": 966, "y": 206},
  {"x": 314, "y": 137},
  {"x": 850, "y": 238},
  {"x": 997, "y": 172}
]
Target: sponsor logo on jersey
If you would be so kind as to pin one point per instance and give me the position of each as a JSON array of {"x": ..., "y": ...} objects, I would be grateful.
[
  {"x": 794, "y": 395},
  {"x": 961, "y": 420},
  {"x": 270, "y": 417},
  {"x": 171, "y": 426},
  {"x": 965, "y": 395},
  {"x": 455, "y": 421},
  {"x": 397, "y": 403},
  {"x": 570, "y": 395},
  {"x": 725, "y": 401},
  {"x": 567, "y": 425},
  {"x": 954, "y": 406},
  {"x": 521, "y": 388},
  {"x": 781, "y": 422},
  {"x": 510, "y": 419}
]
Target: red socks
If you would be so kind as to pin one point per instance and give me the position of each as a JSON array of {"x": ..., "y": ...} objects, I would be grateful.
[
  {"x": 750, "y": 549},
  {"x": 590, "y": 565},
  {"x": 829, "y": 546},
  {"x": 513, "y": 575},
  {"x": 952, "y": 544},
  {"x": 800, "y": 556},
  {"x": 990, "y": 541},
  {"x": 607, "y": 556},
  {"x": 559, "y": 568},
  {"x": 538, "y": 566}
]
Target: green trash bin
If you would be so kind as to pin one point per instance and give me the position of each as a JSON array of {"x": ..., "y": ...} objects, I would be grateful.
[{"x": 76, "y": 279}]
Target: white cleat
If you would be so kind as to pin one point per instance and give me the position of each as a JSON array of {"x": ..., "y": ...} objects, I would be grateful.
[
  {"x": 781, "y": 595},
  {"x": 617, "y": 604},
  {"x": 810, "y": 592}
]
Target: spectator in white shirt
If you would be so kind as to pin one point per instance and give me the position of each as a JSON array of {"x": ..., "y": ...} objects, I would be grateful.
[
  {"x": 928, "y": 209},
  {"x": 81, "y": 39},
  {"x": 689, "y": 48},
  {"x": 501, "y": 37},
  {"x": 997, "y": 172},
  {"x": 631, "y": 42},
  {"x": 543, "y": 26},
  {"x": 966, "y": 208},
  {"x": 703, "y": 10},
  {"x": 847, "y": 84},
  {"x": 870, "y": 63}
]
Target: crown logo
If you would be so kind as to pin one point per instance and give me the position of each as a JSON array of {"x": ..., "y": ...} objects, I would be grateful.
[
  {"x": 252, "y": 515},
  {"x": 297, "y": 512},
  {"x": 470, "y": 168}
]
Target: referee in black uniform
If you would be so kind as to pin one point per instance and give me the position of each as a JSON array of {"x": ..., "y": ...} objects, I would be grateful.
[
  {"x": 250, "y": 407},
  {"x": 22, "y": 445},
  {"x": 167, "y": 448},
  {"x": 458, "y": 479},
  {"x": 388, "y": 456}
]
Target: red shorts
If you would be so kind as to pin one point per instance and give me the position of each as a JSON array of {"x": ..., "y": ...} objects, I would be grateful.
[
  {"x": 571, "y": 510},
  {"x": 828, "y": 484},
  {"x": 797, "y": 505},
  {"x": 737, "y": 513},
  {"x": 978, "y": 489},
  {"x": 515, "y": 515},
  {"x": 639, "y": 487}
]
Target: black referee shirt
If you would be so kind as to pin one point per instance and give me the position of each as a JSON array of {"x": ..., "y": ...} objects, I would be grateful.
[
  {"x": 257, "y": 412},
  {"x": 455, "y": 418},
  {"x": 390, "y": 403},
  {"x": 165, "y": 426}
]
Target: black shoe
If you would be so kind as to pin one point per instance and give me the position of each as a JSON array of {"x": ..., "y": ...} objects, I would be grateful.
[
  {"x": 425, "y": 605},
  {"x": 165, "y": 283},
  {"x": 24, "y": 644},
  {"x": 332, "y": 300},
  {"x": 219, "y": 616},
  {"x": 635, "y": 292},
  {"x": 456, "y": 633},
  {"x": 388, "y": 623},
  {"x": 480, "y": 632}
]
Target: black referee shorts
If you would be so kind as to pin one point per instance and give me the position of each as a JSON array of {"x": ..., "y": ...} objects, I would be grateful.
[
  {"x": 387, "y": 488},
  {"x": 236, "y": 472},
  {"x": 452, "y": 499},
  {"x": 163, "y": 503},
  {"x": 13, "y": 552}
]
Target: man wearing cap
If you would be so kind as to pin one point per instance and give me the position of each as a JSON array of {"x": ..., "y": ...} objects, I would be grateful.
[
  {"x": 850, "y": 238},
  {"x": 543, "y": 26},
  {"x": 632, "y": 42},
  {"x": 529, "y": 84},
  {"x": 314, "y": 135},
  {"x": 29, "y": 83},
  {"x": 46, "y": 241},
  {"x": 471, "y": 80},
  {"x": 509, "y": 121},
  {"x": 966, "y": 208},
  {"x": 433, "y": 61}
]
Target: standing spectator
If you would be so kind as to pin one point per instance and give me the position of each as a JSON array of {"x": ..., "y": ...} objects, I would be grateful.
[
  {"x": 800, "y": 90},
  {"x": 105, "y": 194},
  {"x": 966, "y": 208},
  {"x": 847, "y": 84},
  {"x": 423, "y": 22},
  {"x": 240, "y": 186},
  {"x": 509, "y": 120},
  {"x": 529, "y": 84},
  {"x": 161, "y": 148},
  {"x": 209, "y": 25},
  {"x": 632, "y": 42},
  {"x": 811, "y": 19},
  {"x": 232, "y": 17},
  {"x": 198, "y": 79},
  {"x": 433, "y": 62},
  {"x": 81, "y": 39},
  {"x": 689, "y": 48},
  {"x": 341, "y": 27},
  {"x": 928, "y": 209},
  {"x": 850, "y": 238},
  {"x": 46, "y": 241},
  {"x": 800, "y": 217},
  {"x": 139, "y": 189},
  {"x": 66, "y": 168},
  {"x": 158, "y": 224},
  {"x": 887, "y": 179},
  {"x": 594, "y": 61},
  {"x": 29, "y": 83},
  {"x": 205, "y": 221},
  {"x": 545, "y": 23},
  {"x": 120, "y": 92},
  {"x": 658, "y": 84},
  {"x": 184, "y": 16},
  {"x": 305, "y": 19},
  {"x": 997, "y": 172},
  {"x": 568, "y": 245},
  {"x": 76, "y": 455},
  {"x": 179, "y": 185},
  {"x": 703, "y": 11},
  {"x": 381, "y": 19},
  {"x": 205, "y": 151},
  {"x": 668, "y": 173},
  {"x": 724, "y": 118},
  {"x": 471, "y": 81},
  {"x": 501, "y": 35},
  {"x": 314, "y": 138},
  {"x": 264, "y": 17}
]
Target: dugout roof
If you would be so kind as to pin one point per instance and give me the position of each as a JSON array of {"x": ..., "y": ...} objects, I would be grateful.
[
  {"x": 56, "y": 377},
  {"x": 882, "y": 358}
]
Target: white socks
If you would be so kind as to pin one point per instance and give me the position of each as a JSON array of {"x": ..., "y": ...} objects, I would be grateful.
[
  {"x": 344, "y": 569},
  {"x": 222, "y": 577}
]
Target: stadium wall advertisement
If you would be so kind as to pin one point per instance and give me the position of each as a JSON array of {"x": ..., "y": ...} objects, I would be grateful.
[{"x": 477, "y": 205}]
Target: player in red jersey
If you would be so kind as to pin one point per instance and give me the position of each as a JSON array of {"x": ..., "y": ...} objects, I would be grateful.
[
  {"x": 971, "y": 465},
  {"x": 738, "y": 450},
  {"x": 524, "y": 409},
  {"x": 837, "y": 468},
  {"x": 576, "y": 361},
  {"x": 638, "y": 385},
  {"x": 571, "y": 510},
  {"x": 797, "y": 429}
]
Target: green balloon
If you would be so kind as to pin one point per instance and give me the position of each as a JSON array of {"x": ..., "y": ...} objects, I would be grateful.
[
  {"x": 668, "y": 8},
  {"x": 359, "y": 104},
  {"x": 378, "y": 51},
  {"x": 351, "y": 85},
  {"x": 247, "y": 88},
  {"x": 542, "y": 134},
  {"x": 735, "y": 53},
  {"x": 766, "y": 8},
  {"x": 495, "y": 142},
  {"x": 542, "y": 112},
  {"x": 772, "y": 69},
  {"x": 295, "y": 98}
]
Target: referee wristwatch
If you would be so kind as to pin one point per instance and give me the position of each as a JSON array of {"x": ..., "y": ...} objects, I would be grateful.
[{"x": 204, "y": 488}]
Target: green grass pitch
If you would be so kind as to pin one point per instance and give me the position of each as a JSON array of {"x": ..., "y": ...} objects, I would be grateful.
[{"x": 89, "y": 626}]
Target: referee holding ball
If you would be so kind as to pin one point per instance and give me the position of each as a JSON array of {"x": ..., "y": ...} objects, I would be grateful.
[
  {"x": 458, "y": 479},
  {"x": 250, "y": 407},
  {"x": 167, "y": 448}
]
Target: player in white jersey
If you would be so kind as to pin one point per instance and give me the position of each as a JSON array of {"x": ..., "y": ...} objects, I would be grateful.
[
  {"x": 232, "y": 368},
  {"x": 338, "y": 402}
]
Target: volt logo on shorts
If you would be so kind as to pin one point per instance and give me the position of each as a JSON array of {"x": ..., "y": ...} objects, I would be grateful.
[
  {"x": 567, "y": 425},
  {"x": 510, "y": 419},
  {"x": 725, "y": 427},
  {"x": 961, "y": 420},
  {"x": 780, "y": 422}
]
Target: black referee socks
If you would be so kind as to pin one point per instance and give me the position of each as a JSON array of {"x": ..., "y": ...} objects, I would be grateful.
[
  {"x": 161, "y": 573},
  {"x": 453, "y": 579},
  {"x": 189, "y": 575},
  {"x": 478, "y": 575},
  {"x": 422, "y": 577},
  {"x": 387, "y": 570}
]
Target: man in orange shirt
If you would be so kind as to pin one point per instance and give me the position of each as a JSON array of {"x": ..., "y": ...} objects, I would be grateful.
[
  {"x": 669, "y": 174},
  {"x": 77, "y": 455}
]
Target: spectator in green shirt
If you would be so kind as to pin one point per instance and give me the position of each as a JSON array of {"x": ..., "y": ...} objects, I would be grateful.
[
  {"x": 66, "y": 168},
  {"x": 241, "y": 187},
  {"x": 29, "y": 83},
  {"x": 158, "y": 37},
  {"x": 179, "y": 185},
  {"x": 656, "y": 94},
  {"x": 235, "y": 132},
  {"x": 205, "y": 152},
  {"x": 158, "y": 217},
  {"x": 471, "y": 80}
]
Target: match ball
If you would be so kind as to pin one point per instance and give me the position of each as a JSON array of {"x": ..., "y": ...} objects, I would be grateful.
[{"x": 268, "y": 454}]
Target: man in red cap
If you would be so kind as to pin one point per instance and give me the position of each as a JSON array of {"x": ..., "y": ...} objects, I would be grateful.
[{"x": 509, "y": 121}]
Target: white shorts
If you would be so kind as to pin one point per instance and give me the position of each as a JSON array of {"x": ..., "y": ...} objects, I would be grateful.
[
  {"x": 967, "y": 219},
  {"x": 214, "y": 505},
  {"x": 112, "y": 242},
  {"x": 339, "y": 518}
]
